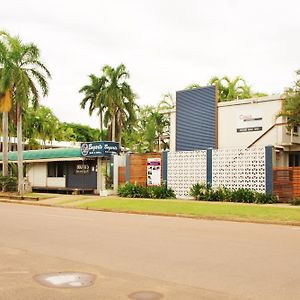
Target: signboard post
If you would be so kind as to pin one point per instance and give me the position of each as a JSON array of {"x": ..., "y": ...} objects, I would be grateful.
[{"x": 153, "y": 171}]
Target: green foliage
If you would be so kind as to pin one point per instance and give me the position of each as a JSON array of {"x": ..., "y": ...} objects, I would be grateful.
[
  {"x": 204, "y": 192},
  {"x": 291, "y": 104},
  {"x": 199, "y": 191},
  {"x": 295, "y": 202},
  {"x": 230, "y": 89},
  {"x": 130, "y": 190},
  {"x": 8, "y": 183},
  {"x": 78, "y": 132}
]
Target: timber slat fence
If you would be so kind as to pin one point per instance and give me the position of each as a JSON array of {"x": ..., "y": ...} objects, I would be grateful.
[{"x": 286, "y": 183}]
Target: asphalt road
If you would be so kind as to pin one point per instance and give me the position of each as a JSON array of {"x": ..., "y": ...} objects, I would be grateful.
[{"x": 176, "y": 257}]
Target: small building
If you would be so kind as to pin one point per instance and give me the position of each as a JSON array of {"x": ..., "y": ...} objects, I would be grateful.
[
  {"x": 243, "y": 123},
  {"x": 69, "y": 169}
]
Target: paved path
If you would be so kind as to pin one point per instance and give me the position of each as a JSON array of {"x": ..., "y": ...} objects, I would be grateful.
[{"x": 176, "y": 257}]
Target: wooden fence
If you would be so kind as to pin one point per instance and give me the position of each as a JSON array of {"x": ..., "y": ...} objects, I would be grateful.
[
  {"x": 286, "y": 183},
  {"x": 138, "y": 167}
]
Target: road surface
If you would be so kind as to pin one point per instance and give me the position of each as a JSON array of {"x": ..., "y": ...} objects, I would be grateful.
[{"x": 177, "y": 258}]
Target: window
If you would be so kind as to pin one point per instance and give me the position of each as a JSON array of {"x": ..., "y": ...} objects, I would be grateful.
[
  {"x": 294, "y": 160},
  {"x": 55, "y": 169}
]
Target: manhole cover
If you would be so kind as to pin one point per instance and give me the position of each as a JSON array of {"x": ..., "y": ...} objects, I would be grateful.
[
  {"x": 145, "y": 295},
  {"x": 65, "y": 279}
]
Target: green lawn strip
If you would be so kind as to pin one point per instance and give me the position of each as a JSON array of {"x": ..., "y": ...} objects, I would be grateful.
[
  {"x": 73, "y": 199},
  {"x": 41, "y": 195},
  {"x": 223, "y": 210}
]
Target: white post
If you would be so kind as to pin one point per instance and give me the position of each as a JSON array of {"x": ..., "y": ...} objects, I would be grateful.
[{"x": 116, "y": 173}]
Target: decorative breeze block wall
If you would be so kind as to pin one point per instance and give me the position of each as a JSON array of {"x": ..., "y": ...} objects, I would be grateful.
[
  {"x": 239, "y": 168},
  {"x": 186, "y": 168}
]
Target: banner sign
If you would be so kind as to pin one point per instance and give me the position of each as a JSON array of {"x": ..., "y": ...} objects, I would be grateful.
[
  {"x": 99, "y": 149},
  {"x": 153, "y": 171},
  {"x": 249, "y": 120}
]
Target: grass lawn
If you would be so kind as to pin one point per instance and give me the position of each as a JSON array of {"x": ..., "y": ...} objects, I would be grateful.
[
  {"x": 209, "y": 210},
  {"x": 41, "y": 195}
]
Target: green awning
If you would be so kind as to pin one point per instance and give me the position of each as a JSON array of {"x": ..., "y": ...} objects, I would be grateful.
[{"x": 46, "y": 154}]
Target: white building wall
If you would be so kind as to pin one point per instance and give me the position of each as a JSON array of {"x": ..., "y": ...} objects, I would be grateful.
[
  {"x": 37, "y": 174},
  {"x": 231, "y": 112}
]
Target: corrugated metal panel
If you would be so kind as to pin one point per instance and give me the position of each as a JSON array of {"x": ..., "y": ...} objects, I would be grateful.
[
  {"x": 196, "y": 119},
  {"x": 45, "y": 154}
]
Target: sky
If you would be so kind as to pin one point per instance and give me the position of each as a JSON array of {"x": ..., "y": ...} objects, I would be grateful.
[{"x": 165, "y": 44}]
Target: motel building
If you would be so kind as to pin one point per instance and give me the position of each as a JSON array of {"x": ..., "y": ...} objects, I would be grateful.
[
  {"x": 199, "y": 121},
  {"x": 73, "y": 169}
]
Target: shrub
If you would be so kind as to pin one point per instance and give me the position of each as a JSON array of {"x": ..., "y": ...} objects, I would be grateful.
[
  {"x": 295, "y": 201},
  {"x": 130, "y": 190},
  {"x": 199, "y": 191},
  {"x": 242, "y": 195},
  {"x": 206, "y": 193},
  {"x": 265, "y": 198},
  {"x": 8, "y": 183}
]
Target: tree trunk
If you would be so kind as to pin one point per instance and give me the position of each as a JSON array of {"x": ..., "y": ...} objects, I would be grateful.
[
  {"x": 113, "y": 127},
  {"x": 100, "y": 124},
  {"x": 20, "y": 151},
  {"x": 5, "y": 143},
  {"x": 120, "y": 127}
]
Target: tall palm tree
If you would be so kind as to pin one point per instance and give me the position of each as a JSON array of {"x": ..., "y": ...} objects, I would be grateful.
[
  {"x": 24, "y": 75},
  {"x": 92, "y": 94},
  {"x": 236, "y": 88},
  {"x": 117, "y": 96},
  {"x": 5, "y": 97}
]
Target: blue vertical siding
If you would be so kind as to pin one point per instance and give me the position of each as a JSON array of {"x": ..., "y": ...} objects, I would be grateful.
[{"x": 196, "y": 119}]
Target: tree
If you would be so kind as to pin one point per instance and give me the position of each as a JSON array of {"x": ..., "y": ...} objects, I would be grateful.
[
  {"x": 291, "y": 104},
  {"x": 167, "y": 102},
  {"x": 118, "y": 97},
  {"x": 234, "y": 89},
  {"x": 41, "y": 124},
  {"x": 231, "y": 89},
  {"x": 93, "y": 95},
  {"x": 5, "y": 97},
  {"x": 24, "y": 75}
]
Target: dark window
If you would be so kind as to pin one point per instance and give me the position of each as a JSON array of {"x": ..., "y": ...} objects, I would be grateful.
[
  {"x": 55, "y": 169},
  {"x": 294, "y": 160}
]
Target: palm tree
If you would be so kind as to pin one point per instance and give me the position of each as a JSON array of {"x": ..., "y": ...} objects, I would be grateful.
[
  {"x": 5, "y": 97},
  {"x": 25, "y": 77},
  {"x": 117, "y": 97},
  {"x": 231, "y": 89},
  {"x": 93, "y": 95}
]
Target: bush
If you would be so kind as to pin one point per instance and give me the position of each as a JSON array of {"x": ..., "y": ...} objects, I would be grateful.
[
  {"x": 265, "y": 198},
  {"x": 130, "y": 190},
  {"x": 295, "y": 201},
  {"x": 8, "y": 183},
  {"x": 199, "y": 191},
  {"x": 243, "y": 195},
  {"x": 206, "y": 193}
]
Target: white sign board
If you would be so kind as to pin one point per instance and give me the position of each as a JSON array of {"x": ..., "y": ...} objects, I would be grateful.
[
  {"x": 249, "y": 120},
  {"x": 153, "y": 171}
]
